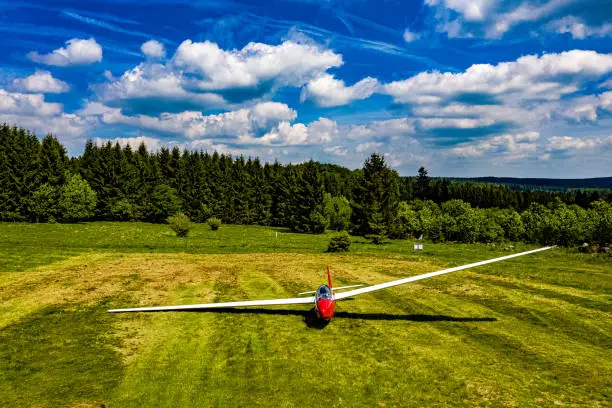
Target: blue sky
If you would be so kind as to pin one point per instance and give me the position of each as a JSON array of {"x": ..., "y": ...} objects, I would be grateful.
[{"x": 463, "y": 87}]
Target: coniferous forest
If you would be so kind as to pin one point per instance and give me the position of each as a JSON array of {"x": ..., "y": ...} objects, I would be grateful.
[{"x": 40, "y": 183}]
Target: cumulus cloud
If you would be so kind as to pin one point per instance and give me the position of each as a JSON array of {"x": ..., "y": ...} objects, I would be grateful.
[
  {"x": 328, "y": 91},
  {"x": 76, "y": 52},
  {"x": 40, "y": 82},
  {"x": 287, "y": 64},
  {"x": 200, "y": 75},
  {"x": 569, "y": 143},
  {"x": 153, "y": 49},
  {"x": 27, "y": 104},
  {"x": 494, "y": 18},
  {"x": 242, "y": 123},
  {"x": 509, "y": 97},
  {"x": 336, "y": 150},
  {"x": 587, "y": 108},
  {"x": 320, "y": 131},
  {"x": 97, "y": 108},
  {"x": 532, "y": 77},
  {"x": 487, "y": 114},
  {"x": 154, "y": 82},
  {"x": 369, "y": 147},
  {"x": 267, "y": 123},
  {"x": 511, "y": 146},
  {"x": 410, "y": 36},
  {"x": 382, "y": 129},
  {"x": 455, "y": 123},
  {"x": 470, "y": 10},
  {"x": 33, "y": 112},
  {"x": 578, "y": 28}
]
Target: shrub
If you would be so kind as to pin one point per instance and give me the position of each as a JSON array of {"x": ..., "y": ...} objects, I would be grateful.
[
  {"x": 77, "y": 200},
  {"x": 339, "y": 242},
  {"x": 318, "y": 222},
  {"x": 180, "y": 224},
  {"x": 338, "y": 210},
  {"x": 214, "y": 223},
  {"x": 44, "y": 203},
  {"x": 124, "y": 210},
  {"x": 405, "y": 222}
]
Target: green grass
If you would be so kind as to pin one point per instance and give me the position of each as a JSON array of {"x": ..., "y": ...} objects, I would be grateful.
[{"x": 532, "y": 331}]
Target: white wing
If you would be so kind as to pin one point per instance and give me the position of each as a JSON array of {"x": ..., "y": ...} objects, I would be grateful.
[
  {"x": 380, "y": 286},
  {"x": 290, "y": 301}
]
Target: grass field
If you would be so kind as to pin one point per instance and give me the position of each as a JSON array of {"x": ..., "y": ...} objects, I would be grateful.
[{"x": 532, "y": 331}]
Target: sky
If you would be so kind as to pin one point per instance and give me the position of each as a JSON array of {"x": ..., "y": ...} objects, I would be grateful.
[{"x": 466, "y": 88}]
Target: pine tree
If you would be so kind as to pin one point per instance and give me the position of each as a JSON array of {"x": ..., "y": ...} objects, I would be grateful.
[
  {"x": 422, "y": 182},
  {"x": 53, "y": 161},
  {"x": 376, "y": 196}
]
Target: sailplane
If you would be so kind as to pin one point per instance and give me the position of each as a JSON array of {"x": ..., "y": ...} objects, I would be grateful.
[{"x": 325, "y": 297}]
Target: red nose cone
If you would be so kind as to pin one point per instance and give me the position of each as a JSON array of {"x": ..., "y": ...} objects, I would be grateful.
[{"x": 325, "y": 308}]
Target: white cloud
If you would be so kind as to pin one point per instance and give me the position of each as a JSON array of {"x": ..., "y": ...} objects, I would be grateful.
[
  {"x": 567, "y": 143},
  {"x": 502, "y": 22},
  {"x": 284, "y": 134},
  {"x": 200, "y": 73},
  {"x": 27, "y": 104},
  {"x": 578, "y": 28},
  {"x": 34, "y": 113},
  {"x": 369, "y": 147},
  {"x": 485, "y": 113},
  {"x": 336, "y": 150},
  {"x": 266, "y": 113},
  {"x": 410, "y": 36},
  {"x": 152, "y": 81},
  {"x": 153, "y": 49},
  {"x": 329, "y": 91},
  {"x": 511, "y": 147},
  {"x": 76, "y": 52},
  {"x": 320, "y": 131},
  {"x": 68, "y": 127},
  {"x": 244, "y": 126},
  {"x": 382, "y": 129},
  {"x": 267, "y": 123},
  {"x": 470, "y": 10},
  {"x": 97, "y": 108},
  {"x": 40, "y": 82},
  {"x": 491, "y": 18},
  {"x": 587, "y": 108},
  {"x": 193, "y": 125},
  {"x": 509, "y": 97},
  {"x": 546, "y": 77},
  {"x": 456, "y": 123},
  {"x": 287, "y": 64}
]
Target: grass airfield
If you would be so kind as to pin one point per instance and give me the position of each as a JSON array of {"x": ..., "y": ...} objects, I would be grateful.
[{"x": 531, "y": 331}]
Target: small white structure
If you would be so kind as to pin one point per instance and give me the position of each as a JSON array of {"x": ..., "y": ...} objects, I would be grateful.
[{"x": 418, "y": 247}]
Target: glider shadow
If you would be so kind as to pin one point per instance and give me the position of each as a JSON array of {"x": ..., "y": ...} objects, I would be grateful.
[{"x": 311, "y": 319}]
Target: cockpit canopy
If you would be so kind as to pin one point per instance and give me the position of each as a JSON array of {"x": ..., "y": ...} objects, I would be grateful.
[{"x": 324, "y": 292}]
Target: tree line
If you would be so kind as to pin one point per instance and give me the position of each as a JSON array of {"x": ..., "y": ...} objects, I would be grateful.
[{"x": 39, "y": 183}]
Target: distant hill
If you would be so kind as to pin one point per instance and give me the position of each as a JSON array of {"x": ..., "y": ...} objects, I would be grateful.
[{"x": 544, "y": 183}]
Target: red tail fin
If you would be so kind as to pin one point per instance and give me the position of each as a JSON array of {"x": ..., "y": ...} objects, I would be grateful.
[{"x": 329, "y": 277}]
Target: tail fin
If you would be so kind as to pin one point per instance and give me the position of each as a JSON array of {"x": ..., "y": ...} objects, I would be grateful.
[{"x": 329, "y": 277}]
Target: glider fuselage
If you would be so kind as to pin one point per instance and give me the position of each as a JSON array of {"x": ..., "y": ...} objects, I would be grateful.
[{"x": 325, "y": 304}]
